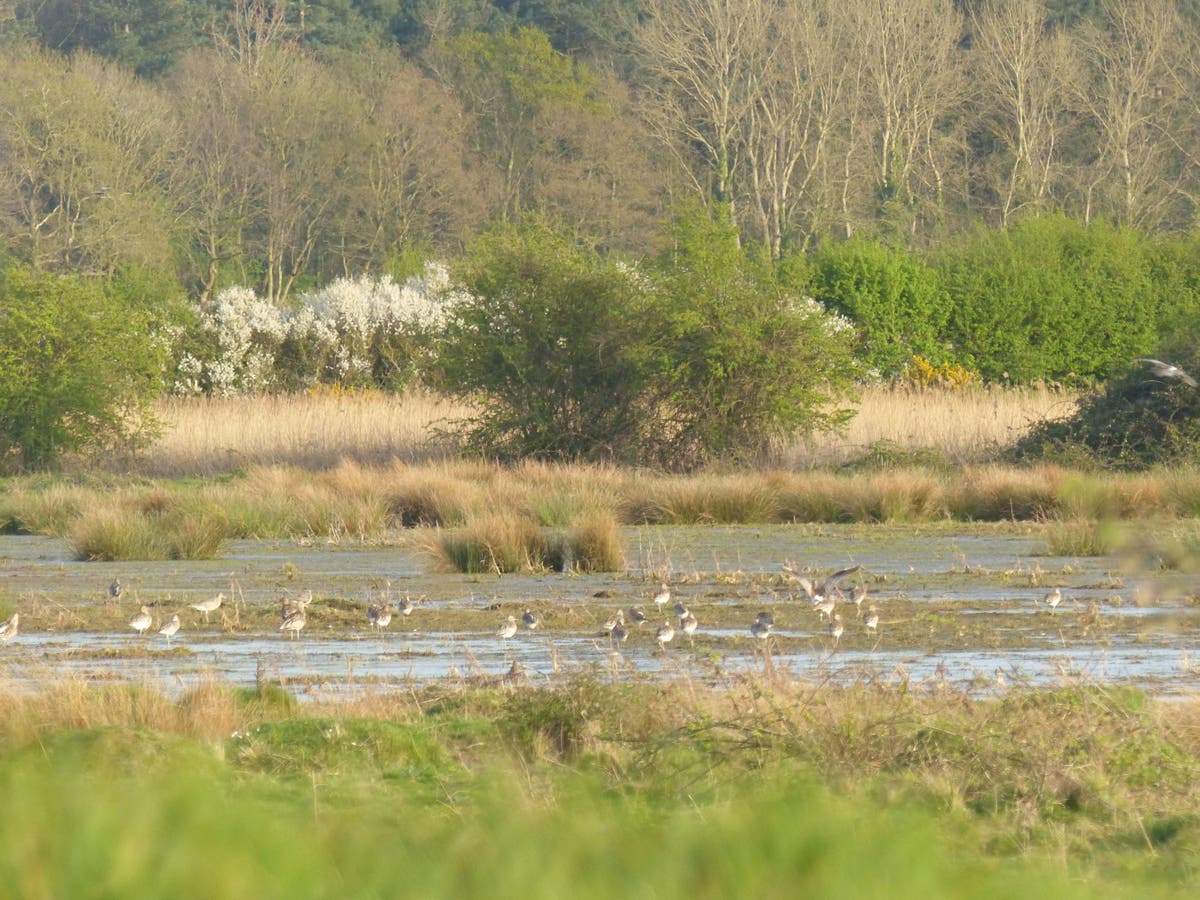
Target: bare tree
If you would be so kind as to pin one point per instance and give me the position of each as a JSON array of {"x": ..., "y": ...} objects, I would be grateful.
[
  {"x": 911, "y": 58},
  {"x": 83, "y": 153},
  {"x": 705, "y": 61},
  {"x": 1133, "y": 93},
  {"x": 791, "y": 124},
  {"x": 1027, "y": 75}
]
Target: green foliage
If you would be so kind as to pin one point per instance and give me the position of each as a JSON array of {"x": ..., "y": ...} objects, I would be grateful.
[
  {"x": 894, "y": 300},
  {"x": 740, "y": 359},
  {"x": 1049, "y": 298},
  {"x": 551, "y": 341},
  {"x": 78, "y": 368},
  {"x": 574, "y": 356}
]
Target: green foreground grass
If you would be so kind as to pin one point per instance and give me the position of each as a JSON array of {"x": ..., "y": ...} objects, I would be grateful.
[{"x": 587, "y": 789}]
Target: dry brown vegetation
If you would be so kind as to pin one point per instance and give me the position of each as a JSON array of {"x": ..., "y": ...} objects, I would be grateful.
[{"x": 208, "y": 436}]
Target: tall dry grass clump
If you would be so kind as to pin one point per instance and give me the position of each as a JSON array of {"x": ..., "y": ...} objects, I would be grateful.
[
  {"x": 512, "y": 542},
  {"x": 597, "y": 544},
  {"x": 42, "y": 510},
  {"x": 495, "y": 543},
  {"x": 995, "y": 493},
  {"x": 209, "y": 711},
  {"x": 699, "y": 500},
  {"x": 123, "y": 532}
]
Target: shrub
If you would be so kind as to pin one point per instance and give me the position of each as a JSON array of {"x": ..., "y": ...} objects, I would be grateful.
[
  {"x": 740, "y": 358},
  {"x": 553, "y": 342},
  {"x": 1049, "y": 298},
  {"x": 78, "y": 368},
  {"x": 894, "y": 300},
  {"x": 361, "y": 331},
  {"x": 1136, "y": 420}
]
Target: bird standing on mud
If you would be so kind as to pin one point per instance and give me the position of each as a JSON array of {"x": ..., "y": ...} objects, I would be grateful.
[
  {"x": 379, "y": 615},
  {"x": 141, "y": 621},
  {"x": 212, "y": 604},
  {"x": 664, "y": 635}
]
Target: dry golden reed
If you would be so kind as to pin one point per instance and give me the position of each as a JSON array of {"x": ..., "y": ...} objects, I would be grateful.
[
  {"x": 208, "y": 436},
  {"x": 963, "y": 425},
  {"x": 212, "y": 435}
]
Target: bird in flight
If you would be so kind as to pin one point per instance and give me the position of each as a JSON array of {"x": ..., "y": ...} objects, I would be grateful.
[{"x": 1167, "y": 370}]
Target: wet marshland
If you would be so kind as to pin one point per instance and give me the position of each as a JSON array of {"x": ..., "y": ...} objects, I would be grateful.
[{"x": 957, "y": 605}]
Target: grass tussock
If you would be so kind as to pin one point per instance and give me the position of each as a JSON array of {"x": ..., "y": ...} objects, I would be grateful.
[
  {"x": 131, "y": 530},
  {"x": 138, "y": 519},
  {"x": 597, "y": 544},
  {"x": 1084, "y": 537},
  {"x": 495, "y": 543},
  {"x": 769, "y": 787},
  {"x": 513, "y": 543}
]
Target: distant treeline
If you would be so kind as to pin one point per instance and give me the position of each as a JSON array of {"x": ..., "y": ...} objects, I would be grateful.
[{"x": 279, "y": 145}]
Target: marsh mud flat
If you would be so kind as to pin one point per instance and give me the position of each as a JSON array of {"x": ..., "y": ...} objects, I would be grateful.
[{"x": 958, "y": 607}]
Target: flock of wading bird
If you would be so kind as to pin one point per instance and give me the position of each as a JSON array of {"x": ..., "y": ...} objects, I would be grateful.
[{"x": 824, "y": 595}]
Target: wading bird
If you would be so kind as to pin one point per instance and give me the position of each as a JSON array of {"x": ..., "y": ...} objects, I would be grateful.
[
  {"x": 116, "y": 590},
  {"x": 168, "y": 630},
  {"x": 637, "y": 616},
  {"x": 11, "y": 628},
  {"x": 212, "y": 604},
  {"x": 507, "y": 629},
  {"x": 872, "y": 620},
  {"x": 857, "y": 598},
  {"x": 664, "y": 635},
  {"x": 141, "y": 621},
  {"x": 817, "y": 591},
  {"x": 617, "y": 618},
  {"x": 663, "y": 597},
  {"x": 688, "y": 625},
  {"x": 379, "y": 615},
  {"x": 836, "y": 630},
  {"x": 294, "y": 619},
  {"x": 1053, "y": 598},
  {"x": 530, "y": 619},
  {"x": 761, "y": 628}
]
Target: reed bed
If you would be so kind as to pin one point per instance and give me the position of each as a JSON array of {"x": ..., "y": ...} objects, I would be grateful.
[
  {"x": 214, "y": 435},
  {"x": 209, "y": 436},
  {"x": 957, "y": 425}
]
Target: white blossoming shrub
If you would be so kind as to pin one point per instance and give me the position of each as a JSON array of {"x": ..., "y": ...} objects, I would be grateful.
[{"x": 361, "y": 331}]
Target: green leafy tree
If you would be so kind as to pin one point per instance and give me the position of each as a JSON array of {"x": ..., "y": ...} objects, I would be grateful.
[
  {"x": 742, "y": 360},
  {"x": 78, "y": 367},
  {"x": 509, "y": 82},
  {"x": 550, "y": 341},
  {"x": 891, "y": 296},
  {"x": 1050, "y": 298}
]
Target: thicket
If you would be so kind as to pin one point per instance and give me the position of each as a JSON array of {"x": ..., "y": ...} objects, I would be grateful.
[
  {"x": 1140, "y": 418},
  {"x": 80, "y": 362},
  {"x": 700, "y": 355}
]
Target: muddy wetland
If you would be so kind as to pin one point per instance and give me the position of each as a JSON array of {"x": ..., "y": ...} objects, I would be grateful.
[{"x": 956, "y": 604}]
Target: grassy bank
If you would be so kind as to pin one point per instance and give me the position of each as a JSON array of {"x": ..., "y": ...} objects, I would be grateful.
[{"x": 762, "y": 788}]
